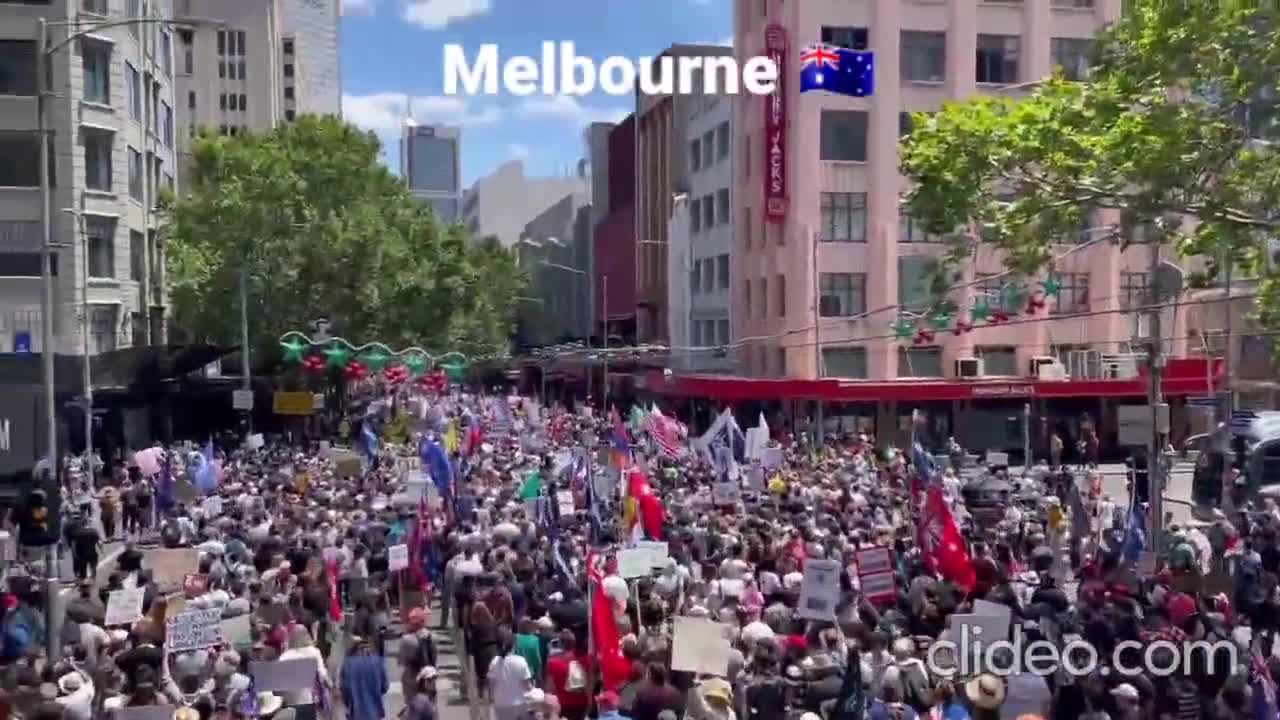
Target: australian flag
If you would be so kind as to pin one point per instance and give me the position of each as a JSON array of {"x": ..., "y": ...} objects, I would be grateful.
[{"x": 837, "y": 70}]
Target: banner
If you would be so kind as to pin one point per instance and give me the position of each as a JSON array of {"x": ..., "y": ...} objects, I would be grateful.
[
  {"x": 293, "y": 403},
  {"x": 193, "y": 629},
  {"x": 775, "y": 129}
]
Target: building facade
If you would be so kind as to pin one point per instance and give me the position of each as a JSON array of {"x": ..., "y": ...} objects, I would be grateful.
[
  {"x": 613, "y": 237},
  {"x": 707, "y": 271},
  {"x": 821, "y": 271},
  {"x": 309, "y": 38},
  {"x": 431, "y": 162},
  {"x": 501, "y": 203},
  {"x": 554, "y": 248},
  {"x": 110, "y": 118}
]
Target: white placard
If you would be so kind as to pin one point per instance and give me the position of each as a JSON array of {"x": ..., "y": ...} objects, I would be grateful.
[
  {"x": 408, "y": 465},
  {"x": 726, "y": 493},
  {"x": 634, "y": 563},
  {"x": 169, "y": 566},
  {"x": 124, "y": 606},
  {"x": 820, "y": 591},
  {"x": 397, "y": 557},
  {"x": 771, "y": 458},
  {"x": 238, "y": 630},
  {"x": 755, "y": 479},
  {"x": 658, "y": 552},
  {"x": 212, "y": 506},
  {"x": 317, "y": 401},
  {"x": 986, "y": 608},
  {"x": 878, "y": 587},
  {"x": 564, "y": 499},
  {"x": 241, "y": 399},
  {"x": 732, "y": 588},
  {"x": 874, "y": 560},
  {"x": 997, "y": 459},
  {"x": 193, "y": 629},
  {"x": 972, "y": 628},
  {"x": 699, "y": 645},
  {"x": 324, "y": 449},
  {"x": 255, "y": 441},
  {"x": 283, "y": 675}
]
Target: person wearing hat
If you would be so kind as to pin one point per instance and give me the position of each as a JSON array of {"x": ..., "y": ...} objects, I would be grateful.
[
  {"x": 416, "y": 651},
  {"x": 421, "y": 702},
  {"x": 985, "y": 694}
]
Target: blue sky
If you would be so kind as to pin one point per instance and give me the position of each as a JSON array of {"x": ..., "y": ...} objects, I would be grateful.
[{"x": 392, "y": 49}]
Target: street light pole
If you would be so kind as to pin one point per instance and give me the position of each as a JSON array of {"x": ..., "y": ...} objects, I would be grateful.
[
  {"x": 87, "y": 374},
  {"x": 246, "y": 380}
]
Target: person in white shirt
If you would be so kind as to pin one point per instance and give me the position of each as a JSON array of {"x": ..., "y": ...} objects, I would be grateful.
[
  {"x": 300, "y": 646},
  {"x": 509, "y": 679}
]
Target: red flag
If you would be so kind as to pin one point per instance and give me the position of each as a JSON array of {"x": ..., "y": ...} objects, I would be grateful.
[
  {"x": 614, "y": 668},
  {"x": 335, "y": 603},
  {"x": 942, "y": 544}
]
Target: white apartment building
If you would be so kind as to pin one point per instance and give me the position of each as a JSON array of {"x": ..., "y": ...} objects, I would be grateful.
[
  {"x": 110, "y": 118},
  {"x": 707, "y": 270}
]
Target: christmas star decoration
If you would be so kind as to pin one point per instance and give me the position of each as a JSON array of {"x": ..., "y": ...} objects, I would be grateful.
[
  {"x": 293, "y": 350},
  {"x": 416, "y": 364},
  {"x": 337, "y": 354},
  {"x": 940, "y": 319},
  {"x": 903, "y": 329},
  {"x": 1052, "y": 286},
  {"x": 1012, "y": 298},
  {"x": 924, "y": 337},
  {"x": 375, "y": 359}
]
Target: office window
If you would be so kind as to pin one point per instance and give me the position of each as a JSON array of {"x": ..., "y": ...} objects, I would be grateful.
[
  {"x": 19, "y": 159},
  {"x": 155, "y": 105},
  {"x": 695, "y": 215},
  {"x": 998, "y": 360},
  {"x": 919, "y": 362},
  {"x": 695, "y": 278},
  {"x": 708, "y": 274},
  {"x": 136, "y": 176},
  {"x": 289, "y": 115},
  {"x": 695, "y": 155},
  {"x": 188, "y": 52},
  {"x": 1074, "y": 297},
  {"x": 95, "y": 60},
  {"x": 844, "y": 135},
  {"x": 166, "y": 124},
  {"x": 17, "y": 67},
  {"x": 911, "y": 230},
  {"x": 166, "y": 51},
  {"x": 998, "y": 58},
  {"x": 240, "y": 69},
  {"x": 913, "y": 287},
  {"x": 923, "y": 56},
  {"x": 222, "y": 69},
  {"x": 708, "y": 212},
  {"x": 288, "y": 93},
  {"x": 722, "y": 206},
  {"x": 133, "y": 84},
  {"x": 240, "y": 43},
  {"x": 288, "y": 70},
  {"x": 722, "y": 332},
  {"x": 222, "y": 42},
  {"x": 1072, "y": 55},
  {"x": 722, "y": 272},
  {"x": 98, "y": 146},
  {"x": 780, "y": 361},
  {"x": 233, "y": 101},
  {"x": 842, "y": 294},
  {"x": 100, "y": 234},
  {"x": 222, "y": 101},
  {"x": 780, "y": 286},
  {"x": 244, "y": 102},
  {"x": 845, "y": 362},
  {"x": 746, "y": 297},
  {"x": 288, "y": 47},
  {"x": 1137, "y": 230},
  {"x": 844, "y": 217},
  {"x": 764, "y": 297},
  {"x": 722, "y": 141},
  {"x": 137, "y": 255},
  {"x": 1133, "y": 290},
  {"x": 191, "y": 99},
  {"x": 103, "y": 322},
  {"x": 708, "y": 148},
  {"x": 853, "y": 38}
]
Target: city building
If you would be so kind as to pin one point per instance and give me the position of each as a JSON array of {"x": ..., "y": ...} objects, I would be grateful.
[
  {"x": 595, "y": 140},
  {"x": 309, "y": 41},
  {"x": 662, "y": 171},
  {"x": 554, "y": 248},
  {"x": 502, "y": 202},
  {"x": 431, "y": 162},
  {"x": 679, "y": 289},
  {"x": 614, "y": 235},
  {"x": 110, "y": 118}
]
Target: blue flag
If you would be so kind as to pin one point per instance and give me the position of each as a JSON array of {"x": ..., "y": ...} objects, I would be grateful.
[
  {"x": 436, "y": 460},
  {"x": 837, "y": 70},
  {"x": 923, "y": 465},
  {"x": 369, "y": 439},
  {"x": 1135, "y": 534},
  {"x": 207, "y": 473}
]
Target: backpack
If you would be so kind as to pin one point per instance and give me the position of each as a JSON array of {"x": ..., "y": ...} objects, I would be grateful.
[{"x": 426, "y": 656}]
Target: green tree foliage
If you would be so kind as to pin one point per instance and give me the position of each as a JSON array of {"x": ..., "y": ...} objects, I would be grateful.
[
  {"x": 324, "y": 229},
  {"x": 1161, "y": 131}
]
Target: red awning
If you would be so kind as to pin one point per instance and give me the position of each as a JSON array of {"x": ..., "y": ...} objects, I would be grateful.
[{"x": 1183, "y": 376}]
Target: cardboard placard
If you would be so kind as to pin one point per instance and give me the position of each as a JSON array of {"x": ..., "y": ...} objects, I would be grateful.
[
  {"x": 170, "y": 566},
  {"x": 238, "y": 630},
  {"x": 726, "y": 493},
  {"x": 699, "y": 645},
  {"x": 878, "y": 587},
  {"x": 193, "y": 629},
  {"x": 658, "y": 552},
  {"x": 397, "y": 557},
  {"x": 565, "y": 503},
  {"x": 124, "y": 606},
  {"x": 283, "y": 675},
  {"x": 820, "y": 591},
  {"x": 874, "y": 560},
  {"x": 634, "y": 563}
]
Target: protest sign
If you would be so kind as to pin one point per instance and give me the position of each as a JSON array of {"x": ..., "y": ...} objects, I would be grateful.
[
  {"x": 634, "y": 563},
  {"x": 873, "y": 560},
  {"x": 985, "y": 608},
  {"x": 193, "y": 629},
  {"x": 820, "y": 591},
  {"x": 397, "y": 557},
  {"x": 972, "y": 628},
  {"x": 283, "y": 675},
  {"x": 212, "y": 506},
  {"x": 169, "y": 566},
  {"x": 658, "y": 552},
  {"x": 237, "y": 630},
  {"x": 726, "y": 493},
  {"x": 771, "y": 458},
  {"x": 699, "y": 645},
  {"x": 564, "y": 501},
  {"x": 255, "y": 441},
  {"x": 124, "y": 606},
  {"x": 406, "y": 464},
  {"x": 878, "y": 587}
]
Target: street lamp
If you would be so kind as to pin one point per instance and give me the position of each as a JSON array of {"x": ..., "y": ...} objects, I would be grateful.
[{"x": 84, "y": 346}]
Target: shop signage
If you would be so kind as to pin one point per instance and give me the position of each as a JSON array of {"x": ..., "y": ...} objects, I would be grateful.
[
  {"x": 999, "y": 391},
  {"x": 293, "y": 403},
  {"x": 775, "y": 129}
]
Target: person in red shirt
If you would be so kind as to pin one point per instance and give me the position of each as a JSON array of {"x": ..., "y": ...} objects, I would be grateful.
[{"x": 569, "y": 678}]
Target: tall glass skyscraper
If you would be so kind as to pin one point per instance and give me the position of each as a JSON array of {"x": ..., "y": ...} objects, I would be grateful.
[{"x": 431, "y": 161}]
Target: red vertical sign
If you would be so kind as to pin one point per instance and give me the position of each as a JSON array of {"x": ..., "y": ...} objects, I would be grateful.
[{"x": 775, "y": 129}]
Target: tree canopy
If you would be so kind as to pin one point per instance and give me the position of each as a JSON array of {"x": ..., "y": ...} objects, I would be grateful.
[
  {"x": 323, "y": 229},
  {"x": 1165, "y": 129}
]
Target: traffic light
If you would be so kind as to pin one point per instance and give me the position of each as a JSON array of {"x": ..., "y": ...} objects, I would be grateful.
[{"x": 39, "y": 519}]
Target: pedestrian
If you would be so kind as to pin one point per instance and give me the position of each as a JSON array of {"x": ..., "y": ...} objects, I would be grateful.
[
  {"x": 108, "y": 509},
  {"x": 84, "y": 550},
  {"x": 509, "y": 679},
  {"x": 364, "y": 682}
]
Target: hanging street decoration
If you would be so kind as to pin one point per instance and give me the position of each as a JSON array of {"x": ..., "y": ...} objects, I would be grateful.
[
  {"x": 961, "y": 328},
  {"x": 1052, "y": 286},
  {"x": 924, "y": 337},
  {"x": 904, "y": 328},
  {"x": 314, "y": 364},
  {"x": 417, "y": 363},
  {"x": 375, "y": 358},
  {"x": 980, "y": 312},
  {"x": 396, "y": 374},
  {"x": 293, "y": 350},
  {"x": 355, "y": 371},
  {"x": 337, "y": 354}
]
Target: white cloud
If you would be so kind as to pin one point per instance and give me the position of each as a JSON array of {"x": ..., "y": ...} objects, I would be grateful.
[
  {"x": 386, "y": 111},
  {"x": 439, "y": 14},
  {"x": 567, "y": 107},
  {"x": 358, "y": 7},
  {"x": 516, "y": 150}
]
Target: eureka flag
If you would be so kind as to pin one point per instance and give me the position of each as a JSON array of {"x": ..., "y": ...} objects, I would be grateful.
[{"x": 837, "y": 70}]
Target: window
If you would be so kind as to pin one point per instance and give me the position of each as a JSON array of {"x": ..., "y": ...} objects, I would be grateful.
[
  {"x": 188, "y": 53},
  {"x": 905, "y": 124},
  {"x": 911, "y": 230},
  {"x": 722, "y": 272},
  {"x": 134, "y": 85},
  {"x": 240, "y": 69},
  {"x": 233, "y": 102},
  {"x": 244, "y": 102},
  {"x": 222, "y": 101},
  {"x": 136, "y": 176},
  {"x": 695, "y": 155},
  {"x": 919, "y": 362},
  {"x": 222, "y": 69},
  {"x": 240, "y": 43},
  {"x": 1133, "y": 290},
  {"x": 95, "y": 59},
  {"x": 288, "y": 47},
  {"x": 923, "y": 56},
  {"x": 989, "y": 286},
  {"x": 746, "y": 156},
  {"x": 695, "y": 215},
  {"x": 708, "y": 212},
  {"x": 1138, "y": 230},
  {"x": 780, "y": 286},
  {"x": 133, "y": 9},
  {"x": 166, "y": 51},
  {"x": 288, "y": 70},
  {"x": 695, "y": 278},
  {"x": 844, "y": 135},
  {"x": 998, "y": 58},
  {"x": 722, "y": 206},
  {"x": 722, "y": 141},
  {"x": 166, "y": 124},
  {"x": 764, "y": 297},
  {"x": 845, "y": 362},
  {"x": 1078, "y": 4},
  {"x": 288, "y": 93},
  {"x": 722, "y": 332},
  {"x": 842, "y": 294},
  {"x": 854, "y": 38},
  {"x": 1074, "y": 297},
  {"x": 780, "y": 361},
  {"x": 103, "y": 320},
  {"x": 137, "y": 255},
  {"x": 1072, "y": 55},
  {"x": 100, "y": 234},
  {"x": 746, "y": 227},
  {"x": 155, "y": 105},
  {"x": 222, "y": 42},
  {"x": 708, "y": 148},
  {"x": 913, "y": 287},
  {"x": 998, "y": 360},
  {"x": 844, "y": 217},
  {"x": 97, "y": 7},
  {"x": 289, "y": 115},
  {"x": 98, "y": 146},
  {"x": 19, "y": 159},
  {"x": 746, "y": 297}
]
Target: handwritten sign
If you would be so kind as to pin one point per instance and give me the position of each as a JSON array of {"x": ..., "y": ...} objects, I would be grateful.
[
  {"x": 820, "y": 590},
  {"x": 634, "y": 563},
  {"x": 124, "y": 606},
  {"x": 658, "y": 552},
  {"x": 699, "y": 646},
  {"x": 193, "y": 629},
  {"x": 397, "y": 557}
]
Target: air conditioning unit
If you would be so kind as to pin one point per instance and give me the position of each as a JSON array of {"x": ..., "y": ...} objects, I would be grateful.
[
  {"x": 1037, "y": 362},
  {"x": 969, "y": 367},
  {"x": 1052, "y": 371}
]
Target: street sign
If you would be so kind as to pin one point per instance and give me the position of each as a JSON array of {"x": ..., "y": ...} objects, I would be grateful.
[
  {"x": 242, "y": 399},
  {"x": 1205, "y": 402},
  {"x": 22, "y": 342}
]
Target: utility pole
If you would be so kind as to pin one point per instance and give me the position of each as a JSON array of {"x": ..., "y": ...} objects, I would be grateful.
[
  {"x": 819, "y": 432},
  {"x": 1155, "y": 399}
]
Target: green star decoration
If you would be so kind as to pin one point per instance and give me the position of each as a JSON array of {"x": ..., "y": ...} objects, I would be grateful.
[
  {"x": 293, "y": 350},
  {"x": 375, "y": 359},
  {"x": 980, "y": 312},
  {"x": 904, "y": 329},
  {"x": 1052, "y": 286},
  {"x": 941, "y": 319},
  {"x": 416, "y": 364},
  {"x": 337, "y": 355}
]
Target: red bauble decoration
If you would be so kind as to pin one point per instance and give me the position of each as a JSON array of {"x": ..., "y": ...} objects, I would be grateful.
[
  {"x": 924, "y": 337},
  {"x": 356, "y": 370},
  {"x": 314, "y": 364},
  {"x": 396, "y": 374},
  {"x": 1035, "y": 303},
  {"x": 999, "y": 316},
  {"x": 961, "y": 328}
]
